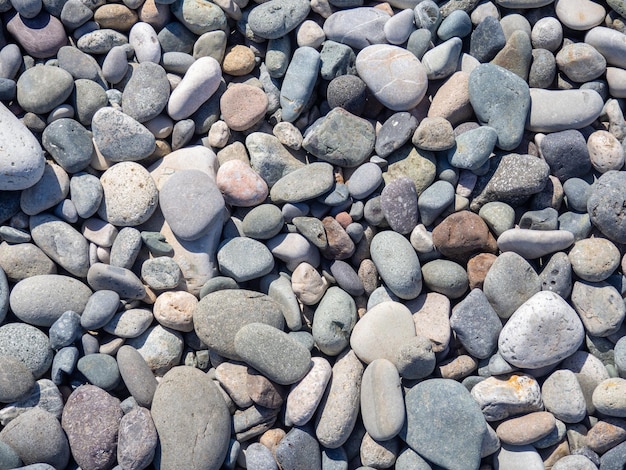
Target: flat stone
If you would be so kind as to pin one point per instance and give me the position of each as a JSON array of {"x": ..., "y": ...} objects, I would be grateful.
[
  {"x": 146, "y": 93},
  {"x": 299, "y": 82},
  {"x": 243, "y": 106},
  {"x": 581, "y": 15},
  {"x": 526, "y": 429},
  {"x": 161, "y": 272},
  {"x": 607, "y": 192},
  {"x": 442, "y": 415},
  {"x": 487, "y": 39},
  {"x": 545, "y": 319},
  {"x": 340, "y": 138},
  {"x": 308, "y": 182},
  {"x": 137, "y": 375},
  {"x": 563, "y": 396},
  {"x": 357, "y": 27},
  {"x": 476, "y": 324},
  {"x": 244, "y": 258},
  {"x": 299, "y": 447},
  {"x": 180, "y": 418},
  {"x": 160, "y": 347},
  {"x": 305, "y": 395},
  {"x": 558, "y": 110},
  {"x": 599, "y": 306},
  {"x": 50, "y": 190},
  {"x": 334, "y": 320},
  {"x": 403, "y": 84},
  {"x": 69, "y": 143},
  {"x": 269, "y": 158},
  {"x": 119, "y": 137},
  {"x": 95, "y": 449},
  {"x": 137, "y": 439},
  {"x": 268, "y": 349},
  {"x": 123, "y": 281},
  {"x": 608, "y": 397},
  {"x": 594, "y": 259},
  {"x": 100, "y": 370},
  {"x": 507, "y": 395},
  {"x": 41, "y": 36},
  {"x": 199, "y": 18},
  {"x": 419, "y": 165},
  {"x": 531, "y": 244}
]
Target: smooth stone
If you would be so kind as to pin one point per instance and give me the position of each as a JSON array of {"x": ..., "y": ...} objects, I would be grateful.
[
  {"x": 240, "y": 185},
  {"x": 161, "y": 348},
  {"x": 129, "y": 323},
  {"x": 123, "y": 281},
  {"x": 305, "y": 183},
  {"x": 17, "y": 380},
  {"x": 382, "y": 403},
  {"x": 244, "y": 259},
  {"x": 27, "y": 344},
  {"x": 243, "y": 106},
  {"x": 610, "y": 43},
  {"x": 506, "y": 110},
  {"x": 581, "y": 62},
  {"x": 532, "y": 244},
  {"x": 161, "y": 273},
  {"x": 22, "y": 260},
  {"x": 357, "y": 27},
  {"x": 137, "y": 439},
  {"x": 599, "y": 306},
  {"x": 130, "y": 195},
  {"x": 37, "y": 437},
  {"x": 542, "y": 70},
  {"x": 444, "y": 424},
  {"x": 65, "y": 330},
  {"x": 97, "y": 448},
  {"x": 441, "y": 61},
  {"x": 50, "y": 190},
  {"x": 75, "y": 14},
  {"x": 336, "y": 60},
  {"x": 299, "y": 448},
  {"x": 608, "y": 397},
  {"x": 307, "y": 284},
  {"x": 34, "y": 98},
  {"x": 180, "y": 418},
  {"x": 544, "y": 219},
  {"x": 594, "y": 259},
  {"x": 445, "y": 277},
  {"x": 263, "y": 222},
  {"x": 563, "y": 396},
  {"x": 115, "y": 65},
  {"x": 487, "y": 39},
  {"x": 434, "y": 134},
  {"x": 452, "y": 101},
  {"x": 580, "y": 15},
  {"x": 23, "y": 165},
  {"x": 278, "y": 18},
  {"x": 399, "y": 205},
  {"x": 334, "y": 320},
  {"x": 524, "y": 455},
  {"x": 100, "y": 370},
  {"x": 61, "y": 242},
  {"x": 606, "y": 193},
  {"x": 221, "y": 314},
  {"x": 427, "y": 16},
  {"x": 299, "y": 81},
  {"x": 557, "y": 110},
  {"x": 526, "y": 429},
  {"x": 498, "y": 216},
  {"x": 257, "y": 455},
  {"x": 392, "y": 253},
  {"x": 404, "y": 83},
  {"x": 476, "y": 324},
  {"x": 143, "y": 39},
  {"x": 269, "y": 158},
  {"x": 41, "y": 37},
  {"x": 305, "y": 395},
  {"x": 277, "y": 57},
  {"x": 199, "y": 84},
  {"x": 566, "y": 153},
  {"x": 146, "y": 93},
  {"x": 364, "y": 180},
  {"x": 394, "y": 133},
  {"x": 473, "y": 148},
  {"x": 605, "y": 152},
  {"x": 99, "y": 309},
  {"x": 462, "y": 235},
  {"x": 199, "y": 17},
  {"x": 339, "y": 407},
  {"x": 507, "y": 395},
  {"x": 86, "y": 99},
  {"x": 574, "y": 461},
  {"x": 456, "y": 24},
  {"x": 69, "y": 143},
  {"x": 188, "y": 188},
  {"x": 41, "y": 300},
  {"x": 510, "y": 282},
  {"x": 137, "y": 375},
  {"x": 544, "y": 319},
  {"x": 125, "y": 247},
  {"x": 133, "y": 140},
  {"x": 434, "y": 201},
  {"x": 400, "y": 26},
  {"x": 516, "y": 55},
  {"x": 332, "y": 138},
  {"x": 268, "y": 349},
  {"x": 557, "y": 275}
]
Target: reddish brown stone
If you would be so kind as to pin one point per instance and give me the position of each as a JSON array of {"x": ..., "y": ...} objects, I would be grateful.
[
  {"x": 462, "y": 235},
  {"x": 41, "y": 36},
  {"x": 340, "y": 245},
  {"x": 606, "y": 434},
  {"x": 115, "y": 16},
  {"x": 243, "y": 106},
  {"x": 263, "y": 391},
  {"x": 344, "y": 219},
  {"x": 477, "y": 268}
]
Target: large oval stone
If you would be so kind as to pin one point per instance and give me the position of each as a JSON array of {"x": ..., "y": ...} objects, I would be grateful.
[
  {"x": 397, "y": 264},
  {"x": 394, "y": 75},
  {"x": 276, "y": 18},
  {"x": 41, "y": 89},
  {"x": 192, "y": 421}
]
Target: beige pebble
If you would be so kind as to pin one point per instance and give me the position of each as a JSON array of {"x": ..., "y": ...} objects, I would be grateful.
[
  {"x": 155, "y": 14},
  {"x": 263, "y": 391},
  {"x": 452, "y": 101},
  {"x": 238, "y": 61},
  {"x": 271, "y": 438},
  {"x": 308, "y": 285},
  {"x": 115, "y": 16},
  {"x": 431, "y": 315},
  {"x": 161, "y": 126},
  {"x": 605, "y": 151},
  {"x": 378, "y": 454},
  {"x": 234, "y": 380},
  {"x": 457, "y": 368},
  {"x": 305, "y": 396},
  {"x": 526, "y": 429},
  {"x": 240, "y": 184},
  {"x": 174, "y": 309},
  {"x": 99, "y": 232},
  {"x": 434, "y": 134},
  {"x": 219, "y": 133},
  {"x": 310, "y": 34},
  {"x": 579, "y": 15},
  {"x": 243, "y": 106},
  {"x": 288, "y": 135}
]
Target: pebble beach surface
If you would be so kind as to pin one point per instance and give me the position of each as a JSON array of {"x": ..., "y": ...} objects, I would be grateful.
[{"x": 312, "y": 234}]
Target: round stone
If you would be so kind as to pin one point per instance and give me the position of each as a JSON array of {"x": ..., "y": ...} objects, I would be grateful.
[
  {"x": 161, "y": 348},
  {"x": 69, "y": 143},
  {"x": 244, "y": 259},
  {"x": 161, "y": 273},
  {"x": 41, "y": 89},
  {"x": 100, "y": 370},
  {"x": 16, "y": 380},
  {"x": 240, "y": 185},
  {"x": 243, "y": 106},
  {"x": 263, "y": 222},
  {"x": 397, "y": 264},
  {"x": 146, "y": 93},
  {"x": 334, "y": 319},
  {"x": 395, "y": 76},
  {"x": 276, "y": 19},
  {"x": 594, "y": 259},
  {"x": 608, "y": 397}
]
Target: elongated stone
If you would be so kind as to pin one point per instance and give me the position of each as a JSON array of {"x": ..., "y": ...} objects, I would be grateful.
[{"x": 299, "y": 82}]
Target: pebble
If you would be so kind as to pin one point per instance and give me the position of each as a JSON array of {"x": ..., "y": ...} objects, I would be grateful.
[
  {"x": 41, "y": 36},
  {"x": 594, "y": 259},
  {"x": 160, "y": 347},
  {"x": 461, "y": 235},
  {"x": 532, "y": 244},
  {"x": 581, "y": 15},
  {"x": 405, "y": 81},
  {"x": 123, "y": 281},
  {"x": 399, "y": 205},
  {"x": 278, "y": 18},
  {"x": 458, "y": 415},
  {"x": 563, "y": 396},
  {"x": 526, "y": 429},
  {"x": 334, "y": 320},
  {"x": 199, "y": 83},
  {"x": 307, "y": 182},
  {"x": 558, "y": 110},
  {"x": 231, "y": 256},
  {"x": 347, "y": 92},
  {"x": 133, "y": 143},
  {"x": 99, "y": 309},
  {"x": 393, "y": 254},
  {"x": 476, "y": 324},
  {"x": 17, "y": 380},
  {"x": 243, "y": 106},
  {"x": 526, "y": 456},
  {"x": 146, "y": 93},
  {"x": 161, "y": 273},
  {"x": 136, "y": 375},
  {"x": 69, "y": 143},
  {"x": 298, "y": 447},
  {"x": 180, "y": 419},
  {"x": 543, "y": 319},
  {"x": 299, "y": 82},
  {"x": 606, "y": 193},
  {"x": 100, "y": 370},
  {"x": 507, "y": 395},
  {"x": 357, "y": 27},
  {"x": 599, "y": 307},
  {"x": 137, "y": 439},
  {"x": 607, "y": 397}
]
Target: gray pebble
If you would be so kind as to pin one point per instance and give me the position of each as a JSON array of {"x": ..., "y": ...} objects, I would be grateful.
[
  {"x": 542, "y": 69},
  {"x": 244, "y": 258},
  {"x": 544, "y": 219},
  {"x": 334, "y": 319},
  {"x": 129, "y": 323},
  {"x": 136, "y": 375},
  {"x": 399, "y": 205},
  {"x": 599, "y": 306},
  {"x": 487, "y": 39},
  {"x": 100, "y": 309},
  {"x": 608, "y": 192},
  {"x": 133, "y": 141},
  {"x": 499, "y": 216},
  {"x": 563, "y": 396},
  {"x": 161, "y": 273},
  {"x": 100, "y": 370},
  {"x": 566, "y": 153},
  {"x": 434, "y": 201},
  {"x": 65, "y": 330},
  {"x": 299, "y": 80},
  {"x": 86, "y": 194},
  {"x": 125, "y": 248},
  {"x": 16, "y": 381},
  {"x": 259, "y": 456},
  {"x": 307, "y": 182},
  {"x": 263, "y": 222},
  {"x": 51, "y": 189},
  {"x": 557, "y": 275},
  {"x": 336, "y": 59},
  {"x": 446, "y": 277},
  {"x": 146, "y": 93},
  {"x": 63, "y": 364},
  {"x": 123, "y": 281},
  {"x": 394, "y": 133},
  {"x": 278, "y": 18},
  {"x": 41, "y": 89},
  {"x": 137, "y": 440},
  {"x": 27, "y": 344},
  {"x": 357, "y": 27},
  {"x": 69, "y": 143}
]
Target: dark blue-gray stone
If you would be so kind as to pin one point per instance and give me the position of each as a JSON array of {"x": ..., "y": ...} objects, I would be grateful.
[
  {"x": 606, "y": 205},
  {"x": 408, "y": 459},
  {"x": 299, "y": 80},
  {"x": 347, "y": 92},
  {"x": 69, "y": 143},
  {"x": 276, "y": 18},
  {"x": 146, "y": 93},
  {"x": 576, "y": 194},
  {"x": 63, "y": 364},
  {"x": 566, "y": 153},
  {"x": 357, "y": 27},
  {"x": 125, "y": 248},
  {"x": 577, "y": 223},
  {"x": 476, "y": 324},
  {"x": 8, "y": 89},
  {"x": 500, "y": 100},
  {"x": 9, "y": 204},
  {"x": 99, "y": 310},
  {"x": 394, "y": 133},
  {"x": 444, "y": 424},
  {"x": 161, "y": 272},
  {"x": 88, "y": 97},
  {"x": 434, "y": 201},
  {"x": 86, "y": 193},
  {"x": 132, "y": 140},
  {"x": 456, "y": 24},
  {"x": 334, "y": 459},
  {"x": 277, "y": 56},
  {"x": 337, "y": 59},
  {"x": 333, "y": 321},
  {"x": 419, "y": 42},
  {"x": 9, "y": 458},
  {"x": 175, "y": 37},
  {"x": 473, "y": 148},
  {"x": 244, "y": 258},
  {"x": 338, "y": 198},
  {"x": 299, "y": 449},
  {"x": 614, "y": 459},
  {"x": 65, "y": 330},
  {"x": 100, "y": 370},
  {"x": 487, "y": 39},
  {"x": 445, "y": 277},
  {"x": 544, "y": 219},
  {"x": 398, "y": 202},
  {"x": 346, "y": 277}
]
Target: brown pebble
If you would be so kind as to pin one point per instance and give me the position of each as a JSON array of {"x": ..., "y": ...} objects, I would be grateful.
[
  {"x": 41, "y": 36},
  {"x": 457, "y": 368},
  {"x": 271, "y": 438},
  {"x": 477, "y": 268},
  {"x": 155, "y": 14},
  {"x": 526, "y": 429},
  {"x": 463, "y": 234},
  {"x": 243, "y": 106},
  {"x": 606, "y": 434},
  {"x": 344, "y": 219},
  {"x": 340, "y": 245},
  {"x": 238, "y": 61},
  {"x": 552, "y": 454},
  {"x": 115, "y": 16},
  {"x": 263, "y": 391},
  {"x": 368, "y": 274}
]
